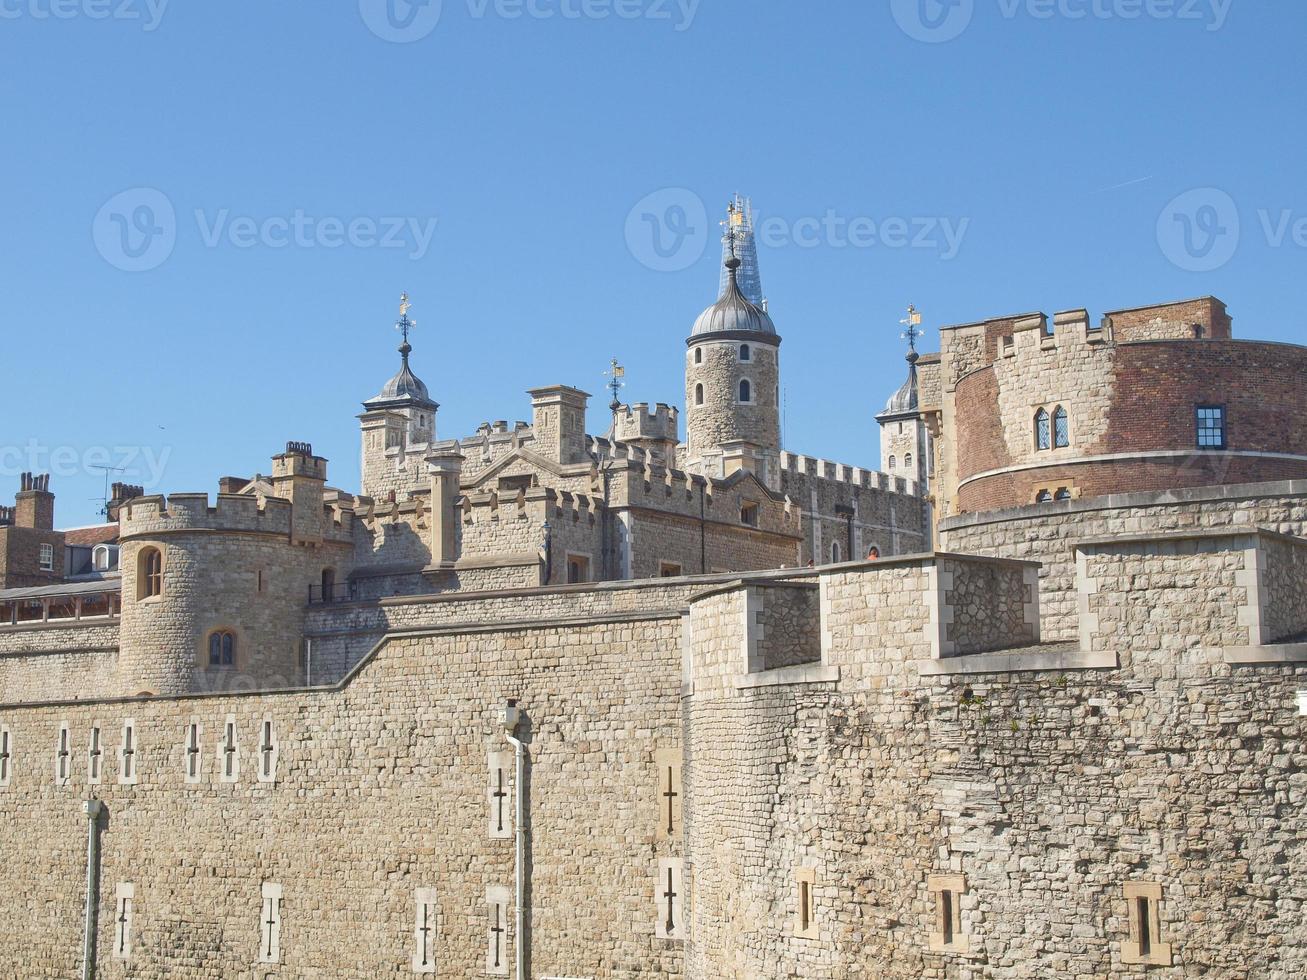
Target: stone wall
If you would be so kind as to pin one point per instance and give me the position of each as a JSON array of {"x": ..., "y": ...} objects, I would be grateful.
[
  {"x": 889, "y": 771},
  {"x": 42, "y": 662},
  {"x": 1048, "y": 533},
  {"x": 1037, "y": 794},
  {"x": 380, "y": 789}
]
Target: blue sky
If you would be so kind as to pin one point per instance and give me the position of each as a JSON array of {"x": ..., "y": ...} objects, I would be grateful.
[{"x": 509, "y": 152}]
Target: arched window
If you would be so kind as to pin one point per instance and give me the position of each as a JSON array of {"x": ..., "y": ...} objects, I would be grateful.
[
  {"x": 746, "y": 392},
  {"x": 149, "y": 573},
  {"x": 222, "y": 648},
  {"x": 1062, "y": 494},
  {"x": 698, "y": 394},
  {"x": 835, "y": 552},
  {"x": 907, "y": 461},
  {"x": 100, "y": 558},
  {"x": 698, "y": 355},
  {"x": 745, "y": 353},
  {"x": 1043, "y": 430},
  {"x": 1061, "y": 428},
  {"x": 893, "y": 462},
  {"x": 1043, "y": 497}
]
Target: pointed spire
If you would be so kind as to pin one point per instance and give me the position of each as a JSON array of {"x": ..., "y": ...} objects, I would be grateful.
[
  {"x": 738, "y": 238},
  {"x": 404, "y": 325}
]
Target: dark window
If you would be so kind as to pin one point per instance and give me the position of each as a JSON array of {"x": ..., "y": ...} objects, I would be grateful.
[
  {"x": 1043, "y": 431},
  {"x": 746, "y": 392},
  {"x": 698, "y": 355},
  {"x": 1062, "y": 494},
  {"x": 1211, "y": 426},
  {"x": 1061, "y": 428},
  {"x": 149, "y": 573},
  {"x": 744, "y": 352},
  {"x": 698, "y": 394},
  {"x": 1043, "y": 497},
  {"x": 222, "y": 649},
  {"x": 578, "y": 569},
  {"x": 749, "y": 515}
]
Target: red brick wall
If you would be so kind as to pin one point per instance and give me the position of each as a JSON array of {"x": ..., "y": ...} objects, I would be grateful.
[
  {"x": 1175, "y": 321},
  {"x": 1158, "y": 385}
]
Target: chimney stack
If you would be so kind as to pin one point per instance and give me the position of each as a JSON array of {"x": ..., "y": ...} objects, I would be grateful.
[{"x": 34, "y": 504}]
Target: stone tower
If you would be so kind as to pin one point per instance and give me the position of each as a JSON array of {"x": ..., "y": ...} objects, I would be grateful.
[
  {"x": 905, "y": 443},
  {"x": 398, "y": 425},
  {"x": 732, "y": 383}
]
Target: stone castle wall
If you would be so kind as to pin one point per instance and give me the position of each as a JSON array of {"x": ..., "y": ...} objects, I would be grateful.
[
  {"x": 1042, "y": 793},
  {"x": 49, "y": 661},
  {"x": 1049, "y": 533},
  {"x": 903, "y": 733}
]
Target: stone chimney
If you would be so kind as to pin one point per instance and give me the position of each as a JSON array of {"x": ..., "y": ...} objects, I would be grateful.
[
  {"x": 299, "y": 476},
  {"x": 558, "y": 423},
  {"x": 121, "y": 493},
  {"x": 34, "y": 504}
]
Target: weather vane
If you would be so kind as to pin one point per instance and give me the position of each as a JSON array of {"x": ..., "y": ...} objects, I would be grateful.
[
  {"x": 405, "y": 324},
  {"x": 616, "y": 373},
  {"x": 912, "y": 322}
]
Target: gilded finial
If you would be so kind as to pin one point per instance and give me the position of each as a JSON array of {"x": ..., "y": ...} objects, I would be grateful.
[
  {"x": 912, "y": 321},
  {"x": 405, "y": 324}
]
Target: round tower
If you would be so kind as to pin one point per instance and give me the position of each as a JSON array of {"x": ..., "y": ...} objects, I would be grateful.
[{"x": 732, "y": 385}]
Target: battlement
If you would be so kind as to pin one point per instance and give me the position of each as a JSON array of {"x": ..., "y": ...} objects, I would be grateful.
[
  {"x": 971, "y": 346},
  {"x": 179, "y": 512},
  {"x": 856, "y": 476},
  {"x": 637, "y": 421}
]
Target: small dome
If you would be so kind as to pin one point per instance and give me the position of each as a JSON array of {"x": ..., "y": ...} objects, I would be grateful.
[
  {"x": 905, "y": 399},
  {"x": 733, "y": 313},
  {"x": 405, "y": 388}
]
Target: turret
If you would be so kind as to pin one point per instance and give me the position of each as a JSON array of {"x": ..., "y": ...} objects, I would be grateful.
[
  {"x": 398, "y": 422},
  {"x": 732, "y": 384},
  {"x": 299, "y": 476}
]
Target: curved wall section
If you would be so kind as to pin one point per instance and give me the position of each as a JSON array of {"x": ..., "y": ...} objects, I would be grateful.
[{"x": 1132, "y": 413}]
